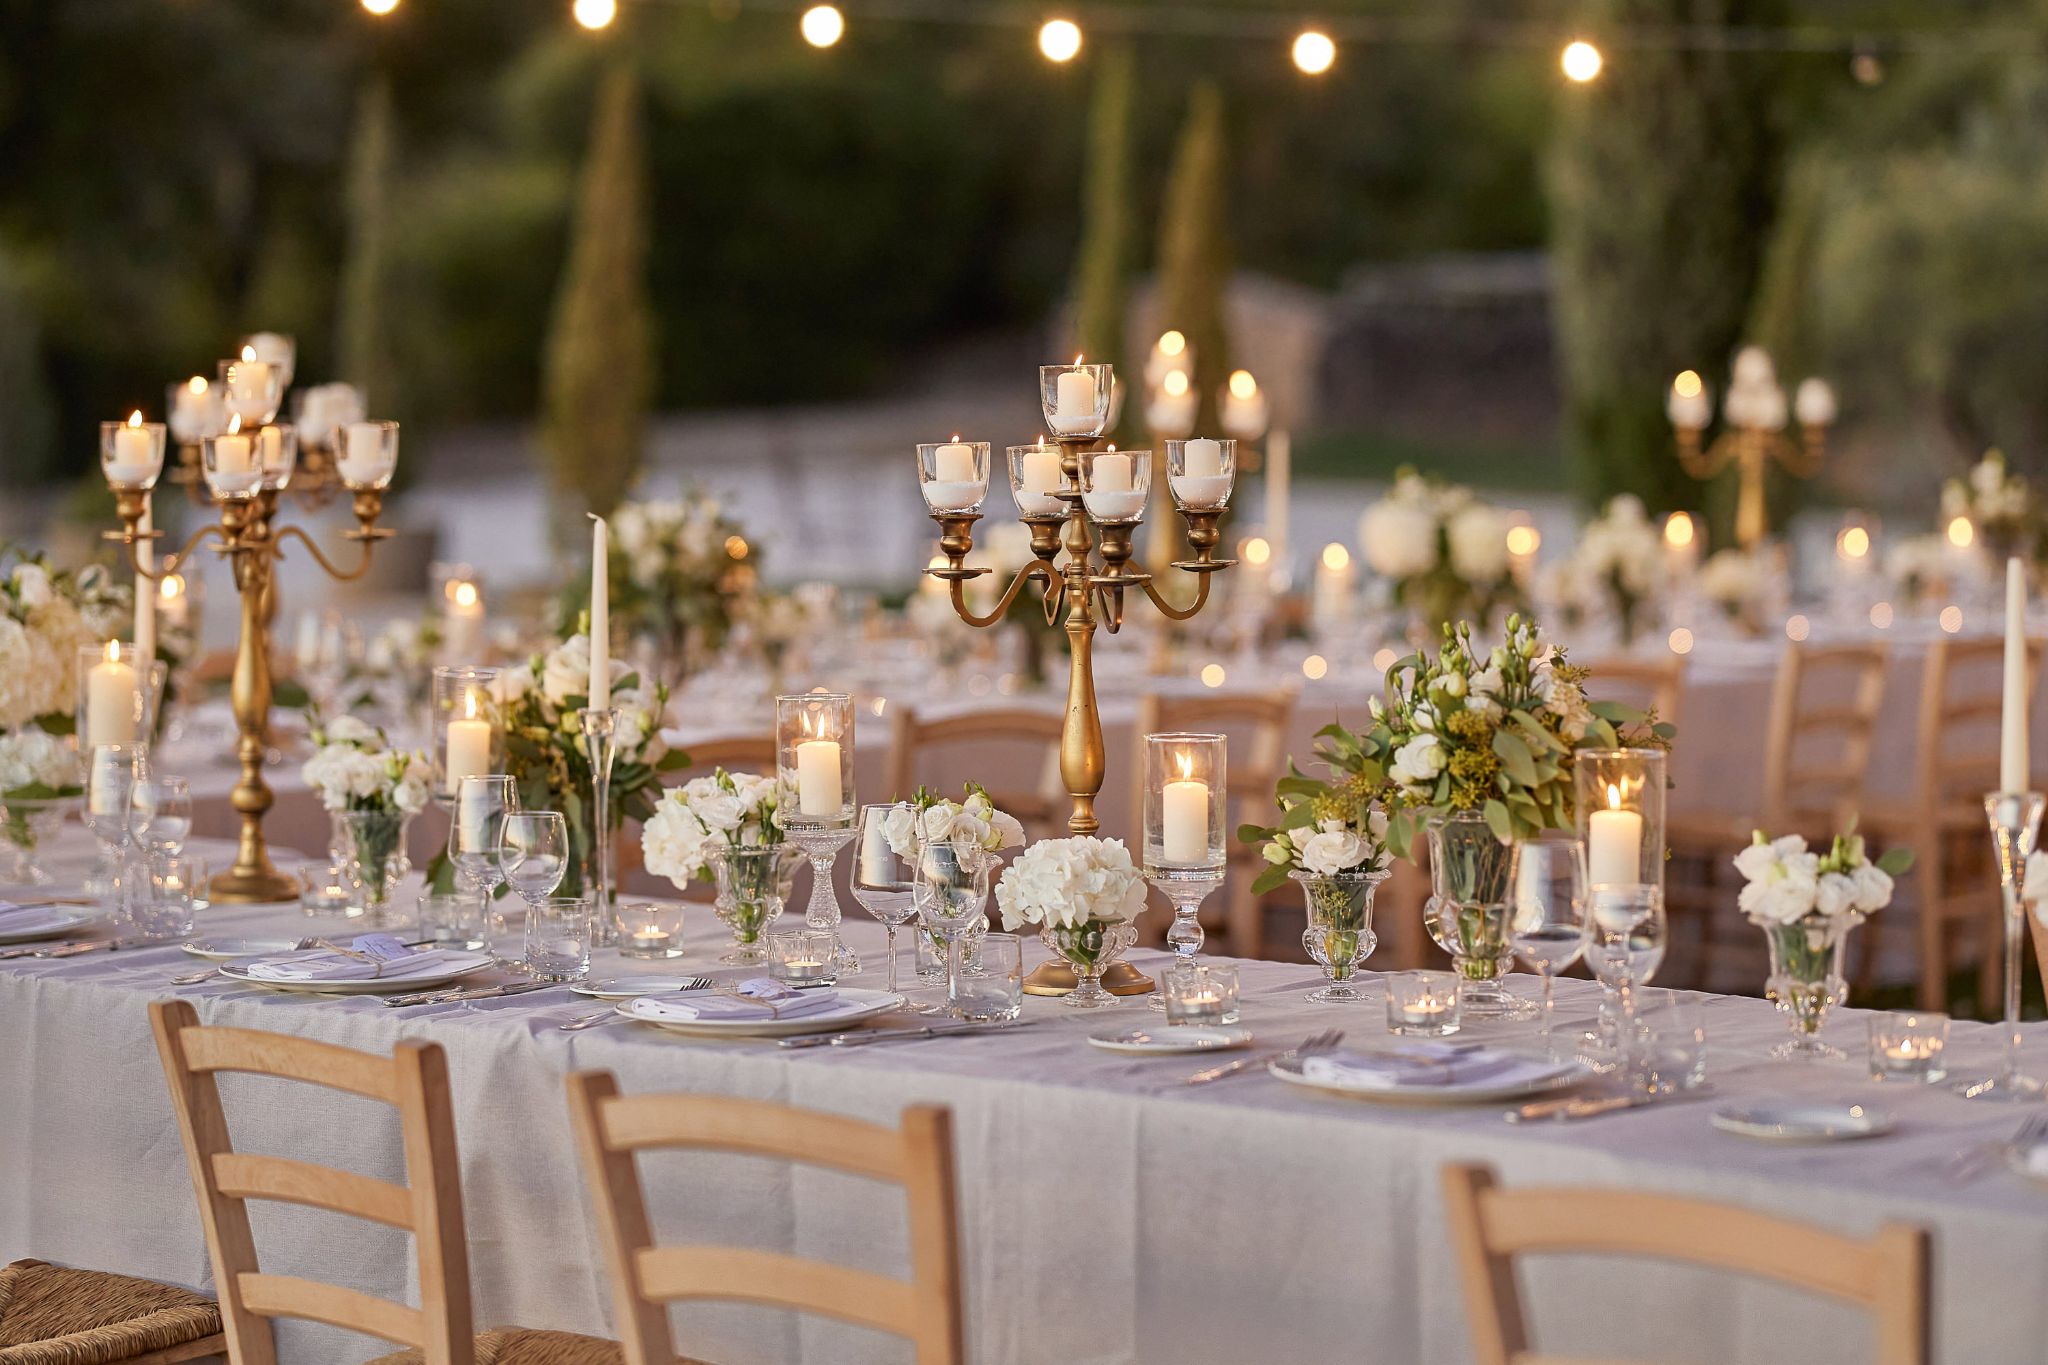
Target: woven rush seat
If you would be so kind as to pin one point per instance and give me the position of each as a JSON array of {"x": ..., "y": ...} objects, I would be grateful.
[
  {"x": 529, "y": 1346},
  {"x": 54, "y": 1315}
]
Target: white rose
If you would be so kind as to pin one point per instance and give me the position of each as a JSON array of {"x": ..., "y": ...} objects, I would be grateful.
[
  {"x": 721, "y": 812},
  {"x": 1873, "y": 888},
  {"x": 1479, "y": 543},
  {"x": 565, "y": 672},
  {"x": 1332, "y": 850},
  {"x": 899, "y": 827},
  {"x": 1418, "y": 762},
  {"x": 32, "y": 586},
  {"x": 1835, "y": 895}
]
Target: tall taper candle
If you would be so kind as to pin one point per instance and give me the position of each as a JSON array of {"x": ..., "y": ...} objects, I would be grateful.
[
  {"x": 600, "y": 615},
  {"x": 145, "y": 590},
  {"x": 2012, "y": 732}
]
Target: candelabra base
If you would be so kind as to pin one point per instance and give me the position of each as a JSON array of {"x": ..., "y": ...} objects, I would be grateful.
[
  {"x": 1057, "y": 978},
  {"x": 239, "y": 886}
]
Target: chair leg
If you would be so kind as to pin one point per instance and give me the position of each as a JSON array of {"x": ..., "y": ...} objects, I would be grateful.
[
  {"x": 1934, "y": 926},
  {"x": 1246, "y": 920}
]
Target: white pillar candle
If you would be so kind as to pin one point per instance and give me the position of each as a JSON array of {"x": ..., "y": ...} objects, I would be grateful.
[
  {"x": 1201, "y": 458},
  {"x": 191, "y": 409},
  {"x": 1111, "y": 473},
  {"x": 1184, "y": 820},
  {"x": 1614, "y": 844},
  {"x": 469, "y": 748},
  {"x": 234, "y": 464},
  {"x": 874, "y": 854},
  {"x": 110, "y": 701},
  {"x": 249, "y": 389},
  {"x": 953, "y": 463},
  {"x": 133, "y": 452},
  {"x": 600, "y": 689},
  {"x": 145, "y": 589},
  {"x": 1074, "y": 402},
  {"x": 365, "y": 459},
  {"x": 817, "y": 778},
  {"x": 1040, "y": 478},
  {"x": 463, "y": 621},
  {"x": 1279, "y": 491},
  {"x": 2012, "y": 731}
]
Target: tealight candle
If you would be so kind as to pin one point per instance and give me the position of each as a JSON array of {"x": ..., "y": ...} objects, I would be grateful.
[
  {"x": 1422, "y": 1004},
  {"x": 651, "y": 929},
  {"x": 1908, "y": 1047},
  {"x": 802, "y": 957}
]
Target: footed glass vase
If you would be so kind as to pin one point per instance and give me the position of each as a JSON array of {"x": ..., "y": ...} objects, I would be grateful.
[
  {"x": 27, "y": 822},
  {"x": 754, "y": 880},
  {"x": 1806, "y": 980},
  {"x": 1088, "y": 947},
  {"x": 1468, "y": 912},
  {"x": 1339, "y": 935},
  {"x": 372, "y": 844}
]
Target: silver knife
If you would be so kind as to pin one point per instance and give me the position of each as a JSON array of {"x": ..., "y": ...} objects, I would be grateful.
[
  {"x": 469, "y": 993},
  {"x": 862, "y": 1037},
  {"x": 84, "y": 946},
  {"x": 1593, "y": 1106}
]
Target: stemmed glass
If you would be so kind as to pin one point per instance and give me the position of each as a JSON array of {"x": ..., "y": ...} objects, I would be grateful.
[
  {"x": 950, "y": 889},
  {"x": 481, "y": 805},
  {"x": 884, "y": 882},
  {"x": 1631, "y": 932},
  {"x": 160, "y": 815},
  {"x": 109, "y": 790},
  {"x": 533, "y": 853},
  {"x": 1547, "y": 910}
]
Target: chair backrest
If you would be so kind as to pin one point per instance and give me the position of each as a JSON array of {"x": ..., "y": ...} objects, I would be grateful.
[
  {"x": 646, "y": 1278},
  {"x": 1654, "y": 684},
  {"x": 413, "y": 1080},
  {"x": 1886, "y": 1274},
  {"x": 735, "y": 753},
  {"x": 1257, "y": 724},
  {"x": 1033, "y": 793},
  {"x": 1824, "y": 708},
  {"x": 1961, "y": 699}
]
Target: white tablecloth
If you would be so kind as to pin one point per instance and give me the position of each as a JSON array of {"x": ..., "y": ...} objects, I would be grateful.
[{"x": 1108, "y": 1213}]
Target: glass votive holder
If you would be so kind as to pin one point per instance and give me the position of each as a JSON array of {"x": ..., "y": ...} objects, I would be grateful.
[
  {"x": 468, "y": 727},
  {"x": 989, "y": 987},
  {"x": 326, "y": 888},
  {"x": 1908, "y": 1047},
  {"x": 649, "y": 929},
  {"x": 1036, "y": 479},
  {"x": 118, "y": 694},
  {"x": 1200, "y": 993},
  {"x": 452, "y": 921},
  {"x": 1422, "y": 1004},
  {"x": 159, "y": 906},
  {"x": 1115, "y": 485},
  {"x": 1200, "y": 473},
  {"x": 558, "y": 938},
  {"x": 274, "y": 349},
  {"x": 1186, "y": 788},
  {"x": 1075, "y": 398},
  {"x": 251, "y": 390},
  {"x": 814, "y": 759},
  {"x": 803, "y": 957},
  {"x": 230, "y": 465},
  {"x": 953, "y": 475},
  {"x": 132, "y": 452},
  {"x": 277, "y": 454},
  {"x": 1672, "y": 1041},
  {"x": 366, "y": 453}
]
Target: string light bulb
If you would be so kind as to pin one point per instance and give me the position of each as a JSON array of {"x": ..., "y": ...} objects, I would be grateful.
[
  {"x": 1314, "y": 53},
  {"x": 380, "y": 8},
  {"x": 1060, "y": 40},
  {"x": 822, "y": 25},
  {"x": 1581, "y": 61},
  {"x": 596, "y": 14}
]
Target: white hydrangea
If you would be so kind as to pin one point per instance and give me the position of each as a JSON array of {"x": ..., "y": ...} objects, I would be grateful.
[
  {"x": 30, "y": 757},
  {"x": 1070, "y": 882}
]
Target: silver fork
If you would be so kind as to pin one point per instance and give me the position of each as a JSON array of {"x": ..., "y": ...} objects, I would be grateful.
[
  {"x": 1970, "y": 1162},
  {"x": 1309, "y": 1046},
  {"x": 592, "y": 1020}
]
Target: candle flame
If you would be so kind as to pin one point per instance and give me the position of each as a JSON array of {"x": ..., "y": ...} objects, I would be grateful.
[
  {"x": 196, "y": 384},
  {"x": 248, "y": 353},
  {"x": 1687, "y": 385},
  {"x": 135, "y": 418},
  {"x": 1678, "y": 530},
  {"x": 469, "y": 706},
  {"x": 1187, "y": 766},
  {"x": 465, "y": 594},
  {"x": 1077, "y": 360},
  {"x": 234, "y": 424},
  {"x": 1242, "y": 385},
  {"x": 956, "y": 438},
  {"x": 113, "y": 651},
  {"x": 171, "y": 585},
  {"x": 1172, "y": 343},
  {"x": 1613, "y": 796}
]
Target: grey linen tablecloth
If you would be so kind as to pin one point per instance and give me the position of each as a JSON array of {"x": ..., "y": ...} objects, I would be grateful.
[{"x": 1108, "y": 1214}]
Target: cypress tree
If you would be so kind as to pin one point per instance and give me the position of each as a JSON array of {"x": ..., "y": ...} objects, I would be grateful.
[
  {"x": 1102, "y": 274},
  {"x": 363, "y": 342},
  {"x": 1194, "y": 248}
]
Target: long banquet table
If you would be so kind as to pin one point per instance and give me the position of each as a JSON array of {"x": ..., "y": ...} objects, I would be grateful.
[{"x": 1108, "y": 1214}]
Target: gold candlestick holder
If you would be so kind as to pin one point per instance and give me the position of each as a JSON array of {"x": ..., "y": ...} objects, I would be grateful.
[
  {"x": 1754, "y": 434},
  {"x": 1085, "y": 589}
]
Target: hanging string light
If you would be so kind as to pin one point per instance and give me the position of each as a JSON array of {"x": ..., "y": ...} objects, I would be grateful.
[
  {"x": 596, "y": 14},
  {"x": 822, "y": 25},
  {"x": 380, "y": 7},
  {"x": 1581, "y": 61},
  {"x": 1060, "y": 40},
  {"x": 1314, "y": 52}
]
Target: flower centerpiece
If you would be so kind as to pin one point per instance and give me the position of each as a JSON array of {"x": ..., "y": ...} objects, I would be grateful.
[
  {"x": 546, "y": 752},
  {"x": 1331, "y": 840},
  {"x": 724, "y": 826},
  {"x": 1443, "y": 551},
  {"x": 1478, "y": 752},
  {"x": 1085, "y": 895},
  {"x": 1616, "y": 569},
  {"x": 1922, "y": 570},
  {"x": 1999, "y": 505},
  {"x": 373, "y": 791},
  {"x": 1735, "y": 581},
  {"x": 678, "y": 568},
  {"x": 1806, "y": 903},
  {"x": 970, "y": 831}
]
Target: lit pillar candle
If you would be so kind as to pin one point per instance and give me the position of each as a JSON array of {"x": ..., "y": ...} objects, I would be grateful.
[
  {"x": 464, "y": 620},
  {"x": 2012, "y": 731},
  {"x": 134, "y": 449},
  {"x": 1041, "y": 478},
  {"x": 953, "y": 486},
  {"x": 1112, "y": 472},
  {"x": 817, "y": 778},
  {"x": 469, "y": 747},
  {"x": 248, "y": 394},
  {"x": 1279, "y": 491},
  {"x": 1614, "y": 844},
  {"x": 1184, "y": 820},
  {"x": 110, "y": 700},
  {"x": 145, "y": 589},
  {"x": 366, "y": 459},
  {"x": 600, "y": 690},
  {"x": 1074, "y": 401}
]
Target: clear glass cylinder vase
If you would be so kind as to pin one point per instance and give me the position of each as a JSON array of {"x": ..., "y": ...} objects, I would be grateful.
[
  {"x": 372, "y": 843},
  {"x": 1339, "y": 935},
  {"x": 1806, "y": 980},
  {"x": 1471, "y": 872},
  {"x": 754, "y": 881}
]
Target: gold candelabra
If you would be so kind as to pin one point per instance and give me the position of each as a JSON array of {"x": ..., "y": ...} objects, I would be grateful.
[
  {"x": 1753, "y": 434},
  {"x": 1089, "y": 588},
  {"x": 253, "y": 544}
]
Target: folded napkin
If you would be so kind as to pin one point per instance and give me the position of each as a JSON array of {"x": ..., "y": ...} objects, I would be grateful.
[
  {"x": 758, "y": 998},
  {"x": 1428, "y": 1064},
  {"x": 28, "y": 919},
  {"x": 390, "y": 960}
]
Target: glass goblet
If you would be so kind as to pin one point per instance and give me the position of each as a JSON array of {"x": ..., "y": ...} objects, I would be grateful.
[
  {"x": 160, "y": 815},
  {"x": 1547, "y": 910},
  {"x": 884, "y": 882},
  {"x": 950, "y": 891},
  {"x": 481, "y": 805},
  {"x": 533, "y": 852},
  {"x": 109, "y": 792}
]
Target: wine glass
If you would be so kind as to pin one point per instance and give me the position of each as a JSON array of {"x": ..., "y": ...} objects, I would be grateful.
[
  {"x": 533, "y": 853},
  {"x": 109, "y": 791},
  {"x": 1628, "y": 933},
  {"x": 160, "y": 815},
  {"x": 884, "y": 882},
  {"x": 950, "y": 888},
  {"x": 1547, "y": 909},
  {"x": 481, "y": 804}
]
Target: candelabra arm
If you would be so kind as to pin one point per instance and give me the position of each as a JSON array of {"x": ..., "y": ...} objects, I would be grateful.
[
  {"x": 1704, "y": 462},
  {"x": 1002, "y": 607},
  {"x": 1173, "y": 613},
  {"x": 328, "y": 566},
  {"x": 131, "y": 539}
]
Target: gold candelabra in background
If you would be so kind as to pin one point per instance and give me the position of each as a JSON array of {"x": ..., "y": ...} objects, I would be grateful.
[{"x": 1753, "y": 413}]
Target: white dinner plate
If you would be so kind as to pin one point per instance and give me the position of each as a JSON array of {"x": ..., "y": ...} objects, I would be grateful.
[
  {"x": 226, "y": 949},
  {"x": 1168, "y": 1040},
  {"x": 1803, "y": 1120},
  {"x": 64, "y": 919},
  {"x": 458, "y": 966},
  {"x": 631, "y": 987},
  {"x": 2019, "y": 1159},
  {"x": 853, "y": 1006},
  {"x": 1451, "y": 1092}
]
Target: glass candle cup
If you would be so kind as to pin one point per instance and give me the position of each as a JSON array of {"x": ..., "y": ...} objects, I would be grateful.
[
  {"x": 195, "y": 410},
  {"x": 277, "y": 454},
  {"x": 990, "y": 983},
  {"x": 650, "y": 929},
  {"x": 1620, "y": 798},
  {"x": 1185, "y": 800},
  {"x": 1115, "y": 485},
  {"x": 452, "y": 921},
  {"x": 1201, "y": 472},
  {"x": 132, "y": 453},
  {"x": 228, "y": 460},
  {"x": 469, "y": 732},
  {"x": 366, "y": 454},
  {"x": 803, "y": 957},
  {"x": 159, "y": 903},
  {"x": 1200, "y": 993},
  {"x": 274, "y": 349},
  {"x": 953, "y": 475},
  {"x": 1908, "y": 1047},
  {"x": 814, "y": 758},
  {"x": 251, "y": 390},
  {"x": 1422, "y": 1004},
  {"x": 325, "y": 888},
  {"x": 1075, "y": 397},
  {"x": 1037, "y": 480}
]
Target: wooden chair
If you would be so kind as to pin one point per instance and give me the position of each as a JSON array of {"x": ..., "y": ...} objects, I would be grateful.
[
  {"x": 646, "y": 1278},
  {"x": 1886, "y": 1275},
  {"x": 1257, "y": 726},
  {"x": 734, "y": 753},
  {"x": 58, "y": 1315},
  {"x": 1032, "y": 791},
  {"x": 1653, "y": 684},
  {"x": 1955, "y": 883},
  {"x": 413, "y": 1080}
]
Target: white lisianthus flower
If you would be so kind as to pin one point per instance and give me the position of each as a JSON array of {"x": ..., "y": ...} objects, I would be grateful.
[
  {"x": 899, "y": 827},
  {"x": 1783, "y": 880},
  {"x": 32, "y": 758},
  {"x": 2036, "y": 886},
  {"x": 1418, "y": 762},
  {"x": 1478, "y": 538},
  {"x": 673, "y": 841},
  {"x": 1873, "y": 888},
  {"x": 1333, "y": 849},
  {"x": 350, "y": 730},
  {"x": 1835, "y": 894}
]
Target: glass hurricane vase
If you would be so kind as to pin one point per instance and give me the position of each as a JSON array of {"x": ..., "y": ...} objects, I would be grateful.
[
  {"x": 372, "y": 843},
  {"x": 1806, "y": 980},
  {"x": 1089, "y": 947},
  {"x": 1339, "y": 935},
  {"x": 754, "y": 881},
  {"x": 1471, "y": 871},
  {"x": 26, "y": 822}
]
